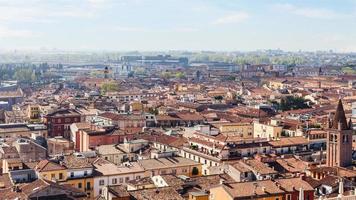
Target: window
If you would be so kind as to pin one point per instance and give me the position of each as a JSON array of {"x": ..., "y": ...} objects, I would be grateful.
[
  {"x": 53, "y": 176},
  {"x": 88, "y": 185},
  {"x": 60, "y": 176},
  {"x": 127, "y": 179},
  {"x": 79, "y": 185},
  {"x": 121, "y": 180},
  {"x": 114, "y": 181},
  {"x": 101, "y": 182},
  {"x": 85, "y": 173},
  {"x": 307, "y": 198},
  {"x": 289, "y": 197},
  {"x": 72, "y": 174}
]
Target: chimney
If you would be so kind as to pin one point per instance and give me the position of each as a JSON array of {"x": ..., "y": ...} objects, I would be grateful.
[
  {"x": 16, "y": 188},
  {"x": 263, "y": 189}
]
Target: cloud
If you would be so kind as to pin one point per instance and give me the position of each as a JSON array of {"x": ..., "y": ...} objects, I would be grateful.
[
  {"x": 6, "y": 32},
  {"x": 150, "y": 30},
  {"x": 130, "y": 29},
  {"x": 232, "y": 18},
  {"x": 45, "y": 11},
  {"x": 185, "y": 29},
  {"x": 317, "y": 13}
]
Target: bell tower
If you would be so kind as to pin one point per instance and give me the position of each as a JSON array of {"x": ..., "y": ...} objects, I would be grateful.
[{"x": 339, "y": 139}]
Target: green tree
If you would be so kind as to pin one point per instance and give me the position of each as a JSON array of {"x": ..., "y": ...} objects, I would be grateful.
[
  {"x": 180, "y": 75},
  {"x": 219, "y": 98},
  {"x": 109, "y": 87},
  {"x": 153, "y": 111},
  {"x": 166, "y": 75},
  {"x": 293, "y": 103},
  {"x": 24, "y": 75},
  {"x": 140, "y": 71}
]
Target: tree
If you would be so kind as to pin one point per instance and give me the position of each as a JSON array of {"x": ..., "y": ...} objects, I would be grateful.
[
  {"x": 131, "y": 74},
  {"x": 33, "y": 76},
  {"x": 140, "y": 71},
  {"x": 153, "y": 111},
  {"x": 109, "y": 87},
  {"x": 180, "y": 75},
  {"x": 219, "y": 98},
  {"x": 166, "y": 75},
  {"x": 24, "y": 75},
  {"x": 293, "y": 103}
]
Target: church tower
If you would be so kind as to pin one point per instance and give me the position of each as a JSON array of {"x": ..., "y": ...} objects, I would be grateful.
[{"x": 339, "y": 139}]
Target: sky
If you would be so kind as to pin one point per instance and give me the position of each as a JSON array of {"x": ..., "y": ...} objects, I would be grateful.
[{"x": 156, "y": 25}]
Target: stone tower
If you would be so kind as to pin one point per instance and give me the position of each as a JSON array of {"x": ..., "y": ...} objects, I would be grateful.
[{"x": 339, "y": 139}]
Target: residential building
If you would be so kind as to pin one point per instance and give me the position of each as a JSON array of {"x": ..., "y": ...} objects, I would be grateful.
[
  {"x": 171, "y": 165},
  {"x": 109, "y": 174},
  {"x": 58, "y": 122}
]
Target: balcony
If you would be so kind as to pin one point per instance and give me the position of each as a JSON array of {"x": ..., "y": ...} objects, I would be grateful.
[{"x": 203, "y": 154}]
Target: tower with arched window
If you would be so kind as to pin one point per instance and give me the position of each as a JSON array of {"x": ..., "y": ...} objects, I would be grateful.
[{"x": 339, "y": 139}]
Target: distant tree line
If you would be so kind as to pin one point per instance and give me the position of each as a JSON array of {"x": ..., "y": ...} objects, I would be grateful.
[{"x": 25, "y": 73}]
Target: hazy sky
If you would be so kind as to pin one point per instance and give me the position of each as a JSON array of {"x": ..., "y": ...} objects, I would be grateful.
[{"x": 178, "y": 24}]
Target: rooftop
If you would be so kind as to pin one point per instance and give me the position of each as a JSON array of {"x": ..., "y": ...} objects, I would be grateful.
[{"x": 162, "y": 163}]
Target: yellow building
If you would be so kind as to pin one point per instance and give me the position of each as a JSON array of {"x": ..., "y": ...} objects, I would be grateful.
[
  {"x": 260, "y": 190},
  {"x": 136, "y": 106},
  {"x": 244, "y": 130},
  {"x": 175, "y": 165},
  {"x": 272, "y": 130},
  {"x": 78, "y": 178},
  {"x": 33, "y": 113},
  {"x": 85, "y": 184},
  {"x": 198, "y": 196},
  {"x": 51, "y": 171},
  {"x": 276, "y": 85},
  {"x": 79, "y": 173},
  {"x": 185, "y": 88}
]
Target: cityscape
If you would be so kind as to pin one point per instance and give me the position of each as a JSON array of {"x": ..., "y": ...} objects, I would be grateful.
[{"x": 177, "y": 100}]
